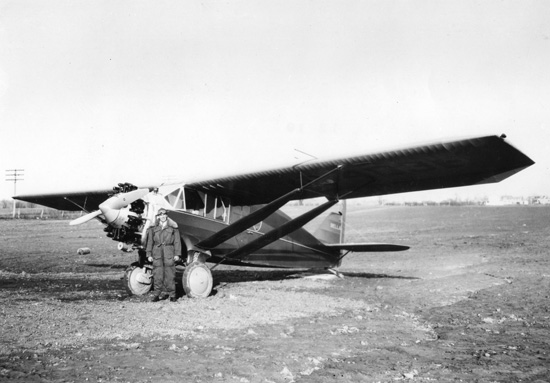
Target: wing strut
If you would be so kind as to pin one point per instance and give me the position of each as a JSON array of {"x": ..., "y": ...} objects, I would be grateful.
[
  {"x": 77, "y": 205},
  {"x": 257, "y": 216},
  {"x": 281, "y": 231}
]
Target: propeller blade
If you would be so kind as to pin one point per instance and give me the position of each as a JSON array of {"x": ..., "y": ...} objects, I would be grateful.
[
  {"x": 110, "y": 207},
  {"x": 120, "y": 200},
  {"x": 85, "y": 218}
]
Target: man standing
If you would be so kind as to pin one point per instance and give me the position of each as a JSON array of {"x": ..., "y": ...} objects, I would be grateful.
[{"x": 164, "y": 249}]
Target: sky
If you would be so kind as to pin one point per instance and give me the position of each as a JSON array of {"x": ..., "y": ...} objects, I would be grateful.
[{"x": 98, "y": 92}]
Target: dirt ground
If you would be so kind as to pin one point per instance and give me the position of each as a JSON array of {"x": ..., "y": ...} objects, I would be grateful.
[{"x": 468, "y": 302}]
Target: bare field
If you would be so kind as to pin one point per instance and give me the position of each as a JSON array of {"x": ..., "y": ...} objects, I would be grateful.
[{"x": 469, "y": 302}]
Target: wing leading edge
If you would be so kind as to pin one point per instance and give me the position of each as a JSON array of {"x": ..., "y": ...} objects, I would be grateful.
[
  {"x": 441, "y": 165},
  {"x": 70, "y": 201}
]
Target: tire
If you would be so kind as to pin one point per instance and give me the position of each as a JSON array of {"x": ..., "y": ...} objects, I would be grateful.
[
  {"x": 138, "y": 280},
  {"x": 197, "y": 280}
]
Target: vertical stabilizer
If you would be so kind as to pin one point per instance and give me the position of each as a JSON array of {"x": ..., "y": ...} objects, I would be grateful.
[{"x": 330, "y": 230}]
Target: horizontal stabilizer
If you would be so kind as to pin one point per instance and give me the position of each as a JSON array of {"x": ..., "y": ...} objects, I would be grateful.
[{"x": 367, "y": 247}]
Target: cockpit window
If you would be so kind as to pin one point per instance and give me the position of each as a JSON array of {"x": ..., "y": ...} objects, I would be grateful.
[
  {"x": 199, "y": 203},
  {"x": 194, "y": 201},
  {"x": 175, "y": 199}
]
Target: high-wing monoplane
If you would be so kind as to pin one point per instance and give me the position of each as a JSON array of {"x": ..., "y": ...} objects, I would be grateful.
[{"x": 236, "y": 219}]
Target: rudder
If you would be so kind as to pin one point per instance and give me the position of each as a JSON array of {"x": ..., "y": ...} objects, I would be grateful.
[{"x": 330, "y": 229}]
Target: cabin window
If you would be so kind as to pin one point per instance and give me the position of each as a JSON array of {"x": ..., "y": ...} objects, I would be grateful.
[
  {"x": 206, "y": 205},
  {"x": 216, "y": 208},
  {"x": 222, "y": 210},
  {"x": 194, "y": 202},
  {"x": 175, "y": 199},
  {"x": 210, "y": 206}
]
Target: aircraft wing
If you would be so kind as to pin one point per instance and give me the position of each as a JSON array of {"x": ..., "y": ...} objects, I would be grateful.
[
  {"x": 434, "y": 166},
  {"x": 71, "y": 201}
]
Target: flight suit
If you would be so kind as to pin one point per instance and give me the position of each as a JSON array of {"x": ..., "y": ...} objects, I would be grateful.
[{"x": 163, "y": 244}]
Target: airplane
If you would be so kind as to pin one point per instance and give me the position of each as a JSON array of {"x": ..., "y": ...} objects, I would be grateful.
[{"x": 236, "y": 219}]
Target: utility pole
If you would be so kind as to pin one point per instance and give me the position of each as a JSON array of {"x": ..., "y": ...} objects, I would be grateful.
[{"x": 14, "y": 175}]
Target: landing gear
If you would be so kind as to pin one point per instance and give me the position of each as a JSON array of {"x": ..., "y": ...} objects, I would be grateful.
[
  {"x": 138, "y": 280},
  {"x": 197, "y": 280}
]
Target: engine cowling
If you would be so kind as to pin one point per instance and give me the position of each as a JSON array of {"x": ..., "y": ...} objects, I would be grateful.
[
  {"x": 124, "y": 224},
  {"x": 120, "y": 217}
]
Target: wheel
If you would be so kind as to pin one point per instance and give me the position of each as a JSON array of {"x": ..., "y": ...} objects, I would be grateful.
[
  {"x": 197, "y": 280},
  {"x": 138, "y": 280}
]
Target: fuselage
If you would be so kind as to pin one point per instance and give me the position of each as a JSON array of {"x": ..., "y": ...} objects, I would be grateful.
[{"x": 299, "y": 249}]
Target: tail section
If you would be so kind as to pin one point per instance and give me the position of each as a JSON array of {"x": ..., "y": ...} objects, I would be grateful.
[
  {"x": 330, "y": 233},
  {"x": 330, "y": 230}
]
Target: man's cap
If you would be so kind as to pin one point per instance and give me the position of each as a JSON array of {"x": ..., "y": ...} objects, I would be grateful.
[{"x": 161, "y": 210}]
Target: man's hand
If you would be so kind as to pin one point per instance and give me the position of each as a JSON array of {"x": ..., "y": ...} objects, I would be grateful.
[
  {"x": 177, "y": 258},
  {"x": 150, "y": 259}
]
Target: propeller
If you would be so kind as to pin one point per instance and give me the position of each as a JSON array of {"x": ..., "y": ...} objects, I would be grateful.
[
  {"x": 85, "y": 218},
  {"x": 111, "y": 208}
]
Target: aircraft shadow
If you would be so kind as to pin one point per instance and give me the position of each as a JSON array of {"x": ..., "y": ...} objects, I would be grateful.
[
  {"x": 258, "y": 274},
  {"x": 228, "y": 276},
  {"x": 376, "y": 276},
  {"x": 81, "y": 288}
]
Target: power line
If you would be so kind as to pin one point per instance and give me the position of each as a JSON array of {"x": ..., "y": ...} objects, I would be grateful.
[{"x": 14, "y": 175}]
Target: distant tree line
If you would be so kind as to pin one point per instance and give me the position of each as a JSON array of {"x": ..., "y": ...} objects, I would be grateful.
[
  {"x": 28, "y": 210},
  {"x": 448, "y": 202},
  {"x": 8, "y": 204}
]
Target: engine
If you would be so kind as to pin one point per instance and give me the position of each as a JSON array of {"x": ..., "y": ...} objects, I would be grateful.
[
  {"x": 124, "y": 213},
  {"x": 125, "y": 224}
]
